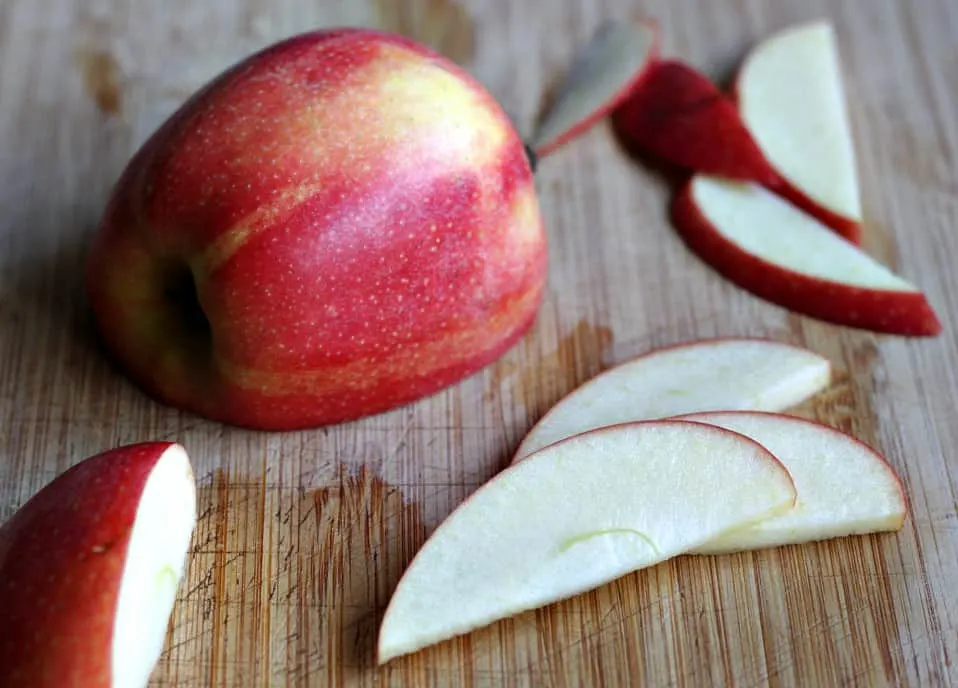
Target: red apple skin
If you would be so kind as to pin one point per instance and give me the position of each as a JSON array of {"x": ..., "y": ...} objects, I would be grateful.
[
  {"x": 62, "y": 556},
  {"x": 890, "y": 312},
  {"x": 610, "y": 105},
  {"x": 361, "y": 224},
  {"x": 845, "y": 227},
  {"x": 678, "y": 115}
]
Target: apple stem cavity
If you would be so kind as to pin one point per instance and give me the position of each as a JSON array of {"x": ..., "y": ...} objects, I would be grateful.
[
  {"x": 181, "y": 294},
  {"x": 532, "y": 158},
  {"x": 182, "y": 297}
]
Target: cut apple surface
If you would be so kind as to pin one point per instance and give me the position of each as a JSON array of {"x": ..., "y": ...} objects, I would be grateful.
[
  {"x": 90, "y": 567},
  {"x": 844, "y": 487},
  {"x": 703, "y": 375},
  {"x": 791, "y": 96},
  {"x": 769, "y": 247},
  {"x": 576, "y": 515},
  {"x": 603, "y": 73},
  {"x": 678, "y": 115}
]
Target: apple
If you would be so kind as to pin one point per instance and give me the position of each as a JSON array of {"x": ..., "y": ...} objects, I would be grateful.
[
  {"x": 677, "y": 115},
  {"x": 791, "y": 96},
  {"x": 340, "y": 224},
  {"x": 779, "y": 253},
  {"x": 702, "y": 375},
  {"x": 576, "y": 515},
  {"x": 601, "y": 76},
  {"x": 89, "y": 569},
  {"x": 844, "y": 487}
]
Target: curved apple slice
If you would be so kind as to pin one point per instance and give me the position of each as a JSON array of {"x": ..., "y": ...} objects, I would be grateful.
[
  {"x": 602, "y": 74},
  {"x": 90, "y": 567},
  {"x": 575, "y": 516},
  {"x": 767, "y": 246},
  {"x": 703, "y": 375},
  {"x": 844, "y": 487},
  {"x": 791, "y": 97}
]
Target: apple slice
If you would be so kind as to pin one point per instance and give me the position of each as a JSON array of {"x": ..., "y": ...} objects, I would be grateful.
[
  {"x": 678, "y": 115},
  {"x": 791, "y": 96},
  {"x": 90, "y": 566},
  {"x": 703, "y": 375},
  {"x": 844, "y": 487},
  {"x": 603, "y": 73},
  {"x": 577, "y": 515},
  {"x": 767, "y": 246}
]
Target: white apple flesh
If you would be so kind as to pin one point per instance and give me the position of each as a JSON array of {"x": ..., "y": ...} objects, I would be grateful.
[
  {"x": 576, "y": 515},
  {"x": 155, "y": 564},
  {"x": 703, "y": 375},
  {"x": 844, "y": 487},
  {"x": 791, "y": 96}
]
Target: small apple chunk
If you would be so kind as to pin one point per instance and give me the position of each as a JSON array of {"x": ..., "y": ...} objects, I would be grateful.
[
  {"x": 676, "y": 114},
  {"x": 702, "y": 375},
  {"x": 791, "y": 96},
  {"x": 844, "y": 487},
  {"x": 89, "y": 569},
  {"x": 342, "y": 223},
  {"x": 769, "y": 247},
  {"x": 577, "y": 515},
  {"x": 602, "y": 74}
]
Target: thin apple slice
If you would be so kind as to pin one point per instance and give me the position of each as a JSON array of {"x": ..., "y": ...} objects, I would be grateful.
[
  {"x": 577, "y": 515},
  {"x": 603, "y": 73},
  {"x": 90, "y": 567},
  {"x": 677, "y": 115},
  {"x": 702, "y": 375},
  {"x": 844, "y": 487},
  {"x": 791, "y": 96},
  {"x": 767, "y": 246}
]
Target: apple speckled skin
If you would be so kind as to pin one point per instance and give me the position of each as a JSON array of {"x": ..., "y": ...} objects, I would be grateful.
[
  {"x": 341, "y": 224},
  {"x": 62, "y": 555}
]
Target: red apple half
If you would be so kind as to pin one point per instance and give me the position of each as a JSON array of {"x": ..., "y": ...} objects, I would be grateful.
[
  {"x": 791, "y": 97},
  {"x": 340, "y": 224},
  {"x": 601, "y": 76},
  {"x": 769, "y": 247},
  {"x": 89, "y": 569}
]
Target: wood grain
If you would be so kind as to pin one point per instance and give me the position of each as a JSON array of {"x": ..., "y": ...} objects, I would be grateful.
[{"x": 303, "y": 535}]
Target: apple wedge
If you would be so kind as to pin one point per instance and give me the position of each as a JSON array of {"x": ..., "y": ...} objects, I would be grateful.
[
  {"x": 90, "y": 566},
  {"x": 703, "y": 375},
  {"x": 676, "y": 114},
  {"x": 769, "y": 247},
  {"x": 844, "y": 487},
  {"x": 791, "y": 95},
  {"x": 577, "y": 515},
  {"x": 602, "y": 74}
]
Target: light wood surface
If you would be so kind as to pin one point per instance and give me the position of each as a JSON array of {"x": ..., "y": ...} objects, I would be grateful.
[{"x": 303, "y": 535}]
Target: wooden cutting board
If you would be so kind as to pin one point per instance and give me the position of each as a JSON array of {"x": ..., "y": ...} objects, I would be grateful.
[{"x": 302, "y": 536}]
